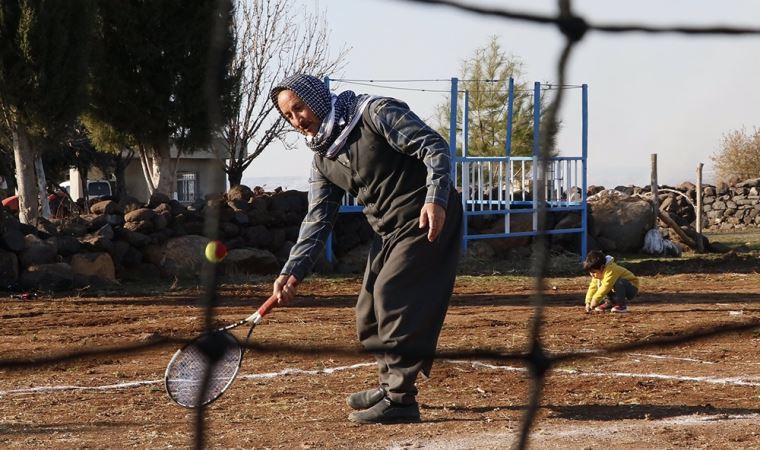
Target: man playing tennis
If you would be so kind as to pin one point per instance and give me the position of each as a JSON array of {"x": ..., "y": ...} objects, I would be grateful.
[{"x": 380, "y": 152}]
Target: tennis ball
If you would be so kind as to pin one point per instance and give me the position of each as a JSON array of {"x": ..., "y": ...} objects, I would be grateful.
[{"x": 215, "y": 251}]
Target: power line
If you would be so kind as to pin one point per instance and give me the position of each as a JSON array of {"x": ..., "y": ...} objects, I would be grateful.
[
  {"x": 374, "y": 83},
  {"x": 399, "y": 88},
  {"x": 578, "y": 26}
]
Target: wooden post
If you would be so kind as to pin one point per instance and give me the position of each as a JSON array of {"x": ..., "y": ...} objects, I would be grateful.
[
  {"x": 655, "y": 194},
  {"x": 700, "y": 242},
  {"x": 674, "y": 226}
]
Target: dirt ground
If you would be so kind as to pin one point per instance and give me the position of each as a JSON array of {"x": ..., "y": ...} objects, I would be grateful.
[{"x": 700, "y": 394}]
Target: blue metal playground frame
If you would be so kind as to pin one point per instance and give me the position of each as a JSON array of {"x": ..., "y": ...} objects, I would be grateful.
[{"x": 511, "y": 176}]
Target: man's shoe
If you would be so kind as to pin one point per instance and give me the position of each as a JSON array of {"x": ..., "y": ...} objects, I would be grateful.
[
  {"x": 365, "y": 399},
  {"x": 386, "y": 412}
]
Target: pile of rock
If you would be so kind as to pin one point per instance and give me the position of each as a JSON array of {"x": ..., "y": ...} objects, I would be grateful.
[
  {"x": 129, "y": 240},
  {"x": 727, "y": 205},
  {"x": 733, "y": 204},
  {"x": 618, "y": 222}
]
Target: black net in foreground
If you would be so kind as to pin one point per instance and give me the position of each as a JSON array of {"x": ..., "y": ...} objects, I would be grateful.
[{"x": 204, "y": 369}]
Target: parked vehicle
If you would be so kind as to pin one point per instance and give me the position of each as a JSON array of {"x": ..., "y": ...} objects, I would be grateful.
[
  {"x": 95, "y": 188},
  {"x": 57, "y": 201}
]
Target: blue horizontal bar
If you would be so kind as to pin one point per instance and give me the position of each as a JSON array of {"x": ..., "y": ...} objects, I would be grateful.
[
  {"x": 514, "y": 158},
  {"x": 573, "y": 207},
  {"x": 565, "y": 231},
  {"x": 503, "y": 212},
  {"x": 522, "y": 234},
  {"x": 526, "y": 203},
  {"x": 519, "y": 202}
]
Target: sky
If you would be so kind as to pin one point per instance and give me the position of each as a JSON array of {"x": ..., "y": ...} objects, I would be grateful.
[{"x": 672, "y": 95}]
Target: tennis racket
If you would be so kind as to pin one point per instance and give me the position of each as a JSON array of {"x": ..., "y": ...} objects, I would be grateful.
[{"x": 219, "y": 352}]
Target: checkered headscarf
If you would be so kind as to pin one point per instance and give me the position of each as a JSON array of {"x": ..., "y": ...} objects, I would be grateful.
[
  {"x": 335, "y": 112},
  {"x": 310, "y": 89}
]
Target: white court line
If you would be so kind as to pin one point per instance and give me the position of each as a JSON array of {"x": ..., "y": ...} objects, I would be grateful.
[
  {"x": 105, "y": 387},
  {"x": 132, "y": 384},
  {"x": 737, "y": 381},
  {"x": 547, "y": 435},
  {"x": 602, "y": 431},
  {"x": 671, "y": 357},
  {"x": 294, "y": 371}
]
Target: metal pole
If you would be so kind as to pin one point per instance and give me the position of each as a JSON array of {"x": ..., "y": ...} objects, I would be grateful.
[
  {"x": 536, "y": 117},
  {"x": 454, "y": 160},
  {"x": 536, "y": 149},
  {"x": 508, "y": 149},
  {"x": 584, "y": 169},
  {"x": 453, "y": 128},
  {"x": 466, "y": 125},
  {"x": 510, "y": 112}
]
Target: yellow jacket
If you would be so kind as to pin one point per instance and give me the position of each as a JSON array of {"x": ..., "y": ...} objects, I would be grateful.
[{"x": 599, "y": 288}]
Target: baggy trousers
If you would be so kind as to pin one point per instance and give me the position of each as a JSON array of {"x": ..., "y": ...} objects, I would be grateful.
[
  {"x": 622, "y": 290},
  {"x": 407, "y": 287}
]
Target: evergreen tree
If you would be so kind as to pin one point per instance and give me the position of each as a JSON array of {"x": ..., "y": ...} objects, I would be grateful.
[
  {"x": 486, "y": 77},
  {"x": 44, "y": 50},
  {"x": 160, "y": 77}
]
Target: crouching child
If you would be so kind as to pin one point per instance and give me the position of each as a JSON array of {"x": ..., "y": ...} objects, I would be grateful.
[{"x": 611, "y": 284}]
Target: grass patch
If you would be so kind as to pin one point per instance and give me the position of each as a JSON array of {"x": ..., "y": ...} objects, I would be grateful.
[{"x": 749, "y": 238}]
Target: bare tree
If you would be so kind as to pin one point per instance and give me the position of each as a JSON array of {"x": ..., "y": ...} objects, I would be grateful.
[
  {"x": 272, "y": 43},
  {"x": 739, "y": 155}
]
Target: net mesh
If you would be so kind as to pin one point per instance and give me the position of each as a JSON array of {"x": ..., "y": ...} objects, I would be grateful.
[
  {"x": 185, "y": 375},
  {"x": 220, "y": 352}
]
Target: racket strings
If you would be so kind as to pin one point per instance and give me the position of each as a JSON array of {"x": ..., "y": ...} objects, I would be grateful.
[{"x": 185, "y": 374}]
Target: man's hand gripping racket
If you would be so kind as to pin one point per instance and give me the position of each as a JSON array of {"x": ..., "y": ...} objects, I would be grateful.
[{"x": 219, "y": 351}]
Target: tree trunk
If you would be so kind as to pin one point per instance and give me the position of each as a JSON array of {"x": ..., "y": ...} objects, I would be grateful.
[
  {"x": 120, "y": 167},
  {"x": 84, "y": 188},
  {"x": 161, "y": 168},
  {"x": 234, "y": 176},
  {"x": 28, "y": 192},
  {"x": 147, "y": 168}
]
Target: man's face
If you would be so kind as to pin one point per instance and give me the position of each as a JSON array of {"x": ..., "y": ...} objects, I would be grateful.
[{"x": 298, "y": 113}]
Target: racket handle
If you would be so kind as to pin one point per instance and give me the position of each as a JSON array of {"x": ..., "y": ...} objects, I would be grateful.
[
  {"x": 267, "y": 306},
  {"x": 263, "y": 310}
]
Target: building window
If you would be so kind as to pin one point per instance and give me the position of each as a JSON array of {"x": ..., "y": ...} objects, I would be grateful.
[{"x": 187, "y": 187}]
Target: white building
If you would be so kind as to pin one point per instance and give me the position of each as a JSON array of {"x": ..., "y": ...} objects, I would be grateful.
[{"x": 198, "y": 174}]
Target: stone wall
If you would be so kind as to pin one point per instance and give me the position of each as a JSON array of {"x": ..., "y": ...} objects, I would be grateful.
[
  {"x": 725, "y": 206},
  {"x": 728, "y": 207},
  {"x": 132, "y": 241}
]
